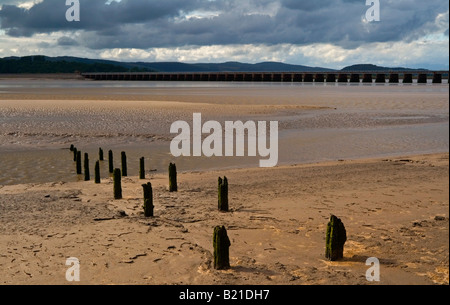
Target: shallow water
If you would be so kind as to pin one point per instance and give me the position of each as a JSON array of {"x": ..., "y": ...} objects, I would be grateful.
[{"x": 360, "y": 122}]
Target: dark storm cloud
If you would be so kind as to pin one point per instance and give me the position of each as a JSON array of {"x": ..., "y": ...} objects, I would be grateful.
[
  {"x": 156, "y": 23},
  {"x": 50, "y": 15}
]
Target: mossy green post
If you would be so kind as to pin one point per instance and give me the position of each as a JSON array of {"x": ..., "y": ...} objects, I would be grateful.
[
  {"x": 100, "y": 155},
  {"x": 173, "y": 187},
  {"x": 335, "y": 239},
  {"x": 223, "y": 194},
  {"x": 148, "y": 200},
  {"x": 117, "y": 177},
  {"x": 221, "y": 244},
  {"x": 142, "y": 168},
  {"x": 79, "y": 172},
  {"x": 75, "y": 152},
  {"x": 111, "y": 161},
  {"x": 124, "y": 164},
  {"x": 87, "y": 174},
  {"x": 97, "y": 172}
]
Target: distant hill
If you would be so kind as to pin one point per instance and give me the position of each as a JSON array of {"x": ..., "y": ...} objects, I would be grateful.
[
  {"x": 68, "y": 64},
  {"x": 230, "y": 67},
  {"x": 42, "y": 64},
  {"x": 369, "y": 67}
]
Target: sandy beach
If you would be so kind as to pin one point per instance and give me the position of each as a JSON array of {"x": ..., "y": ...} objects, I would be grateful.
[
  {"x": 376, "y": 157},
  {"x": 393, "y": 209}
]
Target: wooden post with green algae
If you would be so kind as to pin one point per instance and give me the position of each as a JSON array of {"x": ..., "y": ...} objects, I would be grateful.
[
  {"x": 335, "y": 239},
  {"x": 221, "y": 244}
]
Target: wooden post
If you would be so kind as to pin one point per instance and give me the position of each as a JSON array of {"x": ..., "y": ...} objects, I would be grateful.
[
  {"x": 223, "y": 194},
  {"x": 148, "y": 200},
  {"x": 111, "y": 161},
  {"x": 124, "y": 164},
  {"x": 100, "y": 155},
  {"x": 97, "y": 172},
  {"x": 75, "y": 153},
  {"x": 72, "y": 147},
  {"x": 142, "y": 168},
  {"x": 79, "y": 172},
  {"x": 221, "y": 244},
  {"x": 335, "y": 239},
  {"x": 117, "y": 176},
  {"x": 87, "y": 174},
  {"x": 173, "y": 187}
]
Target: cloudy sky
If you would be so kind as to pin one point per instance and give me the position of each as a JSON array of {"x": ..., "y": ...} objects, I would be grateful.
[{"x": 326, "y": 33}]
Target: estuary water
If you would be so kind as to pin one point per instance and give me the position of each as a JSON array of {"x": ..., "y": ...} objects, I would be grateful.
[{"x": 40, "y": 119}]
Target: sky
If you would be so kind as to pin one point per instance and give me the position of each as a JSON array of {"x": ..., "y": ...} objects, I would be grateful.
[{"x": 326, "y": 33}]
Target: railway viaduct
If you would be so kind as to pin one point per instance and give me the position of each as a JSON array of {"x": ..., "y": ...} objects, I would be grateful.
[{"x": 406, "y": 77}]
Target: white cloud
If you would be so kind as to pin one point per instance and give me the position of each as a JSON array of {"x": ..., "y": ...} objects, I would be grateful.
[{"x": 416, "y": 54}]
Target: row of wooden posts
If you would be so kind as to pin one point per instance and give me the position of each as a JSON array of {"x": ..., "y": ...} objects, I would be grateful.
[{"x": 336, "y": 235}]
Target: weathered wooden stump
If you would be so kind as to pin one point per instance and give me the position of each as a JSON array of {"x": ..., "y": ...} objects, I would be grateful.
[
  {"x": 148, "y": 200},
  {"x": 97, "y": 172},
  {"x": 87, "y": 174},
  {"x": 111, "y": 161},
  {"x": 117, "y": 177},
  {"x": 335, "y": 239},
  {"x": 79, "y": 172},
  {"x": 173, "y": 187},
  {"x": 223, "y": 194},
  {"x": 142, "y": 168},
  {"x": 221, "y": 244},
  {"x": 100, "y": 155},
  {"x": 124, "y": 164}
]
